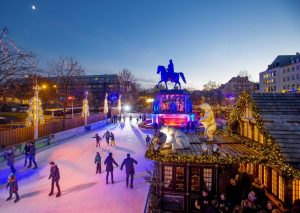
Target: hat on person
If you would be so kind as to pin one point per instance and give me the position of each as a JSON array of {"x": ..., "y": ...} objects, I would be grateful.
[
  {"x": 128, "y": 155},
  {"x": 11, "y": 175},
  {"x": 251, "y": 196},
  {"x": 52, "y": 163}
]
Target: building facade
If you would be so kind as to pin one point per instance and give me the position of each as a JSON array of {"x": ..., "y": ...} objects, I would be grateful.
[{"x": 282, "y": 75}]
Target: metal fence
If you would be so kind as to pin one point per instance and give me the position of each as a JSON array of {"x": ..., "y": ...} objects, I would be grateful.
[{"x": 16, "y": 136}]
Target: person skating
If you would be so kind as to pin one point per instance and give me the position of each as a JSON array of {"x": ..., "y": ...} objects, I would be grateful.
[
  {"x": 130, "y": 118},
  {"x": 10, "y": 158},
  {"x": 55, "y": 177},
  {"x": 107, "y": 136},
  {"x": 98, "y": 163},
  {"x": 98, "y": 139},
  {"x": 124, "y": 119},
  {"x": 148, "y": 140},
  {"x": 32, "y": 156},
  {"x": 12, "y": 184},
  {"x": 112, "y": 137},
  {"x": 137, "y": 120},
  {"x": 26, "y": 153},
  {"x": 128, "y": 162},
  {"x": 109, "y": 161}
]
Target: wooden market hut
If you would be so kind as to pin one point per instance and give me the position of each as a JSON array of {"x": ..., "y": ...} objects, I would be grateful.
[{"x": 263, "y": 135}]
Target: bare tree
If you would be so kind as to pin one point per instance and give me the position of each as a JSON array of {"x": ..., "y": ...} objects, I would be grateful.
[
  {"x": 128, "y": 86},
  {"x": 210, "y": 89},
  {"x": 14, "y": 62},
  {"x": 64, "y": 70}
]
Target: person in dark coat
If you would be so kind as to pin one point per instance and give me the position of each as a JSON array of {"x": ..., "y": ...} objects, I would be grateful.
[
  {"x": 98, "y": 163},
  {"x": 223, "y": 203},
  {"x": 12, "y": 184},
  {"x": 130, "y": 119},
  {"x": 148, "y": 140},
  {"x": 26, "y": 153},
  {"x": 213, "y": 208},
  {"x": 204, "y": 201},
  {"x": 32, "y": 156},
  {"x": 128, "y": 162},
  {"x": 55, "y": 177},
  {"x": 232, "y": 195},
  {"x": 109, "y": 161},
  {"x": 107, "y": 136},
  {"x": 259, "y": 190},
  {"x": 98, "y": 139},
  {"x": 10, "y": 158},
  {"x": 112, "y": 137}
]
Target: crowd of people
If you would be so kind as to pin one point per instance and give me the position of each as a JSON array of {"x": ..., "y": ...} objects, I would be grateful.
[{"x": 242, "y": 195}]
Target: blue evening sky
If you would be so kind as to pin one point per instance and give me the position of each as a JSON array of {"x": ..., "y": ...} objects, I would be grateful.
[{"x": 207, "y": 40}]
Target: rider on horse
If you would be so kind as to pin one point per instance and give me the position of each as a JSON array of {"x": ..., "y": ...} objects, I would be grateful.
[{"x": 171, "y": 70}]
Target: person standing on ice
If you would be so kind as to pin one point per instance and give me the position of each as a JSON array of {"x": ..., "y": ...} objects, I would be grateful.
[
  {"x": 148, "y": 140},
  {"x": 109, "y": 161},
  {"x": 26, "y": 153},
  {"x": 130, "y": 118},
  {"x": 12, "y": 184},
  {"x": 112, "y": 137},
  {"x": 107, "y": 136},
  {"x": 98, "y": 163},
  {"x": 55, "y": 177},
  {"x": 32, "y": 156},
  {"x": 98, "y": 139},
  {"x": 128, "y": 162},
  {"x": 10, "y": 158}
]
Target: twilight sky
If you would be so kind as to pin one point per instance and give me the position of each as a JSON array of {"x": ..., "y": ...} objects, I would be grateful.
[{"x": 207, "y": 40}]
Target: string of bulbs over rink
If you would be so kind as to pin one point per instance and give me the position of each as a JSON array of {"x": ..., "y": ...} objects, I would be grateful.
[{"x": 82, "y": 189}]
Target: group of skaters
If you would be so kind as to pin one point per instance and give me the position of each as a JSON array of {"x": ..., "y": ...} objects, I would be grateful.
[
  {"x": 242, "y": 195},
  {"x": 29, "y": 152},
  {"x": 110, "y": 162},
  {"x": 120, "y": 118},
  {"x": 12, "y": 183},
  {"x": 109, "y": 137}
]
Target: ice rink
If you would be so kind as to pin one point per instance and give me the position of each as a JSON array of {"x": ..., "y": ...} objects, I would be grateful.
[{"x": 82, "y": 189}]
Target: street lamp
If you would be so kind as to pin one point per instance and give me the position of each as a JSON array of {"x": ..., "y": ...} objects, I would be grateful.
[{"x": 71, "y": 98}]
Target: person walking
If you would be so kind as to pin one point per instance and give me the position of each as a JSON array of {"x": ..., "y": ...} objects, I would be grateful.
[
  {"x": 112, "y": 137},
  {"x": 32, "y": 156},
  {"x": 12, "y": 184},
  {"x": 130, "y": 118},
  {"x": 148, "y": 140},
  {"x": 55, "y": 177},
  {"x": 10, "y": 158},
  {"x": 98, "y": 163},
  {"x": 137, "y": 120},
  {"x": 98, "y": 139},
  {"x": 109, "y": 161},
  {"x": 124, "y": 119},
  {"x": 26, "y": 153},
  {"x": 107, "y": 136},
  {"x": 128, "y": 162}
]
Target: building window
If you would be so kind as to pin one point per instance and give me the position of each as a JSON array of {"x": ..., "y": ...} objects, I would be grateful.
[
  {"x": 281, "y": 189},
  {"x": 293, "y": 77},
  {"x": 179, "y": 183},
  {"x": 274, "y": 88},
  {"x": 255, "y": 133},
  {"x": 293, "y": 68},
  {"x": 296, "y": 190},
  {"x": 265, "y": 182},
  {"x": 207, "y": 178},
  {"x": 250, "y": 168},
  {"x": 195, "y": 179},
  {"x": 168, "y": 176},
  {"x": 288, "y": 78},
  {"x": 283, "y": 79},
  {"x": 283, "y": 70},
  {"x": 288, "y": 69},
  {"x": 261, "y": 138},
  {"x": 274, "y": 182}
]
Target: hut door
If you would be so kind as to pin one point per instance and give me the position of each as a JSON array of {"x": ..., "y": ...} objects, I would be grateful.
[{"x": 201, "y": 178}]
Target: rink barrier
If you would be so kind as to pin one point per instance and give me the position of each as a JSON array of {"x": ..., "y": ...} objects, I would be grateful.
[{"x": 48, "y": 141}]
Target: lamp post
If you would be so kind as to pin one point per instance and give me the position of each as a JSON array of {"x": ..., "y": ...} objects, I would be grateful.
[{"x": 71, "y": 98}]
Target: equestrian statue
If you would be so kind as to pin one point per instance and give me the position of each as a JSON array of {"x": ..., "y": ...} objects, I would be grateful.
[{"x": 169, "y": 75}]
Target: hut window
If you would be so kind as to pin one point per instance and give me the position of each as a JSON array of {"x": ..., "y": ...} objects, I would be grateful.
[
  {"x": 207, "y": 178},
  {"x": 274, "y": 182},
  {"x": 261, "y": 138},
  {"x": 249, "y": 168},
  {"x": 260, "y": 172},
  {"x": 250, "y": 131},
  {"x": 168, "y": 175},
  {"x": 245, "y": 129},
  {"x": 255, "y": 133},
  {"x": 265, "y": 176},
  {"x": 296, "y": 190},
  {"x": 179, "y": 184},
  {"x": 281, "y": 188},
  {"x": 195, "y": 179}
]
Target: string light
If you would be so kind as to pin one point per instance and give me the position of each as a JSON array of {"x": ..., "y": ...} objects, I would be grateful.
[{"x": 35, "y": 109}]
